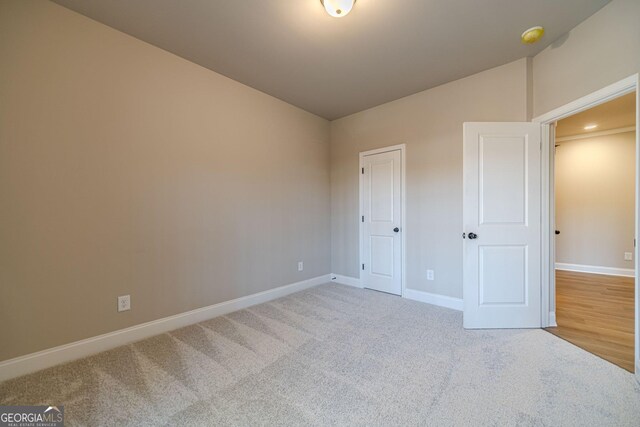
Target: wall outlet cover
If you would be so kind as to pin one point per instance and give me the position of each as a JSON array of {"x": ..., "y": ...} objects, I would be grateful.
[
  {"x": 124, "y": 302},
  {"x": 628, "y": 256},
  {"x": 430, "y": 275}
]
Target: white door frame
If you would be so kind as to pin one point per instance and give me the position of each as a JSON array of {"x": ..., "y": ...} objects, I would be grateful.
[
  {"x": 403, "y": 227},
  {"x": 623, "y": 87}
]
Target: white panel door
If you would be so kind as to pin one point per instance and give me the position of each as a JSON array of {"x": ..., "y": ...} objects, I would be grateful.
[
  {"x": 382, "y": 222},
  {"x": 502, "y": 240}
]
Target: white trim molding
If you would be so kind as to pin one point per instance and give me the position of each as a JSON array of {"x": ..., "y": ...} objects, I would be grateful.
[
  {"x": 65, "y": 353},
  {"x": 346, "y": 280},
  {"x": 412, "y": 294},
  {"x": 434, "y": 299},
  {"x": 598, "y": 97},
  {"x": 596, "y": 269},
  {"x": 552, "y": 319},
  {"x": 596, "y": 134}
]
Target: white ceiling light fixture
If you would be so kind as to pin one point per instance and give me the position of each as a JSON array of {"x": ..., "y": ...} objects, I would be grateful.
[
  {"x": 338, "y": 8},
  {"x": 591, "y": 126}
]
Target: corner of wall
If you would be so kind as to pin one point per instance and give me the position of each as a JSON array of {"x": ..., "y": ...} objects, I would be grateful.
[{"x": 529, "y": 82}]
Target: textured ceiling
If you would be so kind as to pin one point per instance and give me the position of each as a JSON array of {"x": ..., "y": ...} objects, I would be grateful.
[
  {"x": 381, "y": 51},
  {"x": 615, "y": 114}
]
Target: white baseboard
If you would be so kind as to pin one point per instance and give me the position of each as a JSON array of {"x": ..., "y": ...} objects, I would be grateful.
[
  {"x": 346, "y": 280},
  {"x": 65, "y": 353},
  {"x": 435, "y": 299},
  {"x": 412, "y": 294},
  {"x": 552, "y": 319},
  {"x": 595, "y": 269}
]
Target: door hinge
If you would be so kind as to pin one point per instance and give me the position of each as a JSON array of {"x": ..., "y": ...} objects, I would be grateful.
[
  {"x": 362, "y": 218},
  {"x": 362, "y": 171},
  {"x": 363, "y": 266}
]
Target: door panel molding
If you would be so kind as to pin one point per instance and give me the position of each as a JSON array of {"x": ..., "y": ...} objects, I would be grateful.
[{"x": 403, "y": 221}]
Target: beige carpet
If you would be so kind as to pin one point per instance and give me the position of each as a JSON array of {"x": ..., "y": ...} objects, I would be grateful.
[{"x": 335, "y": 355}]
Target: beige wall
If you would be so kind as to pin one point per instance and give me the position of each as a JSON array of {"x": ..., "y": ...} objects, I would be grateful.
[
  {"x": 595, "y": 196},
  {"x": 600, "y": 51},
  {"x": 430, "y": 123},
  {"x": 127, "y": 170}
]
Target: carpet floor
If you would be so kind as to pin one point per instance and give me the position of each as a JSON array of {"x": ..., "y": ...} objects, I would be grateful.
[{"x": 334, "y": 355}]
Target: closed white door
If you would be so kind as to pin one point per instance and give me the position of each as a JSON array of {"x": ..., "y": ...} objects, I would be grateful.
[
  {"x": 382, "y": 222},
  {"x": 502, "y": 241}
]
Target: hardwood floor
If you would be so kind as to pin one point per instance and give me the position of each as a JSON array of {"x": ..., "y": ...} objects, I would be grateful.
[{"x": 596, "y": 312}]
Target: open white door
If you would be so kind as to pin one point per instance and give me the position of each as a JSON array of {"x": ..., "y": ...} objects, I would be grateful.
[{"x": 502, "y": 260}]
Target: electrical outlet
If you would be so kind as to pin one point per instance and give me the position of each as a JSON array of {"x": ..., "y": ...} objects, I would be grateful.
[
  {"x": 430, "y": 275},
  {"x": 300, "y": 265},
  {"x": 124, "y": 303},
  {"x": 628, "y": 256}
]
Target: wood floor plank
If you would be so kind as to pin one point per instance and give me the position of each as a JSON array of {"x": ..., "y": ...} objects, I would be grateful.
[{"x": 596, "y": 312}]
